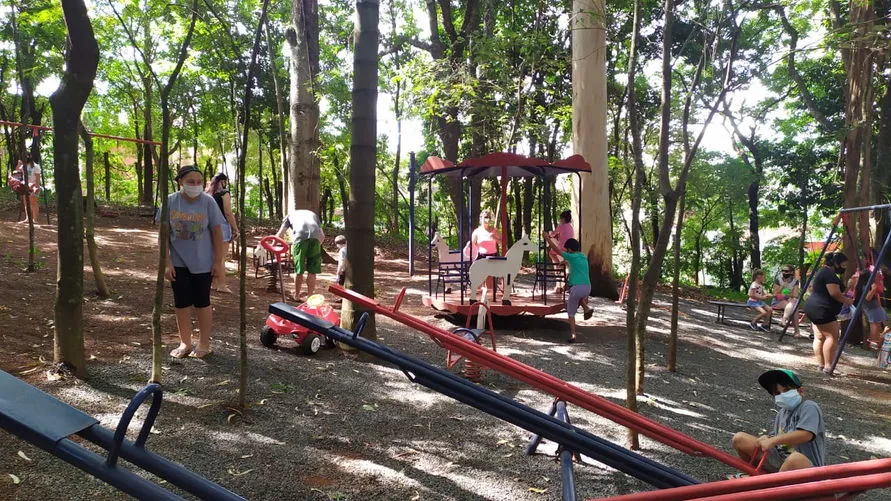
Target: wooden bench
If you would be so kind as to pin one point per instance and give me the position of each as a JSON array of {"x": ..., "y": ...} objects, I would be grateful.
[{"x": 723, "y": 305}]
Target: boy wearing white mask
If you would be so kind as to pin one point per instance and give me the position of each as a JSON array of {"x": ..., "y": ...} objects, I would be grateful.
[
  {"x": 798, "y": 440},
  {"x": 194, "y": 256}
]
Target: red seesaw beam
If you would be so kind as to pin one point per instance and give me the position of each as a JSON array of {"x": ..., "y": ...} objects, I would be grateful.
[
  {"x": 810, "y": 490},
  {"x": 737, "y": 485},
  {"x": 92, "y": 134},
  {"x": 548, "y": 383}
]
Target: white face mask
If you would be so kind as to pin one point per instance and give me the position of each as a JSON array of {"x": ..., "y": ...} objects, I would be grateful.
[
  {"x": 191, "y": 190},
  {"x": 788, "y": 400}
]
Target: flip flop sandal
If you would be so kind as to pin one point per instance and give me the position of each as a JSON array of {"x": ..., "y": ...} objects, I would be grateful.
[
  {"x": 200, "y": 354},
  {"x": 182, "y": 352}
]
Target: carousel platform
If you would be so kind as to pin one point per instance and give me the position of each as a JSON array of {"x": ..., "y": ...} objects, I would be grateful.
[{"x": 522, "y": 302}]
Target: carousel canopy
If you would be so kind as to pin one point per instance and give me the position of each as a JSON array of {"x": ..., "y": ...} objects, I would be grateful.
[{"x": 504, "y": 164}]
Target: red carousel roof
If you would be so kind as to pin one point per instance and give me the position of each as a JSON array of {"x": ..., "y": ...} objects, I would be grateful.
[{"x": 504, "y": 164}]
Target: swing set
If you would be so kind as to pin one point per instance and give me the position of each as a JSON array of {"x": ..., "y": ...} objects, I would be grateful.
[
  {"x": 867, "y": 257},
  {"x": 35, "y": 134}
]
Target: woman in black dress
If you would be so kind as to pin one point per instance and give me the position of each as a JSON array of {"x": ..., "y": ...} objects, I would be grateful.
[{"x": 824, "y": 304}]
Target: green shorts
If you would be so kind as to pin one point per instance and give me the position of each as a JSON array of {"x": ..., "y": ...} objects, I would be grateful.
[{"x": 307, "y": 256}]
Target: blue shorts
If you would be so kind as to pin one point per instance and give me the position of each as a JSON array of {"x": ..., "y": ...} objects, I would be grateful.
[
  {"x": 876, "y": 315},
  {"x": 751, "y": 303},
  {"x": 227, "y": 231}
]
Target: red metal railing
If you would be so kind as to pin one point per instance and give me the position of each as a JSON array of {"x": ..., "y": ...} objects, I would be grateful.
[
  {"x": 859, "y": 469},
  {"x": 550, "y": 384}
]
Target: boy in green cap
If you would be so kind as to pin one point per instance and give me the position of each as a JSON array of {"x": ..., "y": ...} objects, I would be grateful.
[{"x": 798, "y": 439}]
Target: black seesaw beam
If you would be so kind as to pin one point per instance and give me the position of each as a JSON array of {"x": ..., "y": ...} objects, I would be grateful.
[{"x": 442, "y": 381}]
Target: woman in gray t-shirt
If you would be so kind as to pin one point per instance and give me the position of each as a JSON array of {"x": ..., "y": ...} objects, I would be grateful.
[{"x": 194, "y": 256}]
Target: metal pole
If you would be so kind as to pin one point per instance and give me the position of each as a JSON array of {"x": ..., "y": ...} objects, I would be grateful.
[
  {"x": 867, "y": 207},
  {"x": 429, "y": 235},
  {"x": 461, "y": 216},
  {"x": 566, "y": 474},
  {"x": 858, "y": 305},
  {"x": 412, "y": 179}
]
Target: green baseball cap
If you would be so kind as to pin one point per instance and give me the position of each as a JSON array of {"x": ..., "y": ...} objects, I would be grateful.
[{"x": 785, "y": 377}]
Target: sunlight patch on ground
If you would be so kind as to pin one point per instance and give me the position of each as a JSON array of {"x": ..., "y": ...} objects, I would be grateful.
[
  {"x": 129, "y": 273},
  {"x": 240, "y": 438},
  {"x": 409, "y": 393},
  {"x": 881, "y": 446},
  {"x": 668, "y": 405}
]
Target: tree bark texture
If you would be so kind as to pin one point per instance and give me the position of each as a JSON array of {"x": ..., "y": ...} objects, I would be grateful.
[
  {"x": 589, "y": 140},
  {"x": 242, "y": 171},
  {"x": 90, "y": 208},
  {"x": 363, "y": 155},
  {"x": 67, "y": 103},
  {"x": 163, "y": 175},
  {"x": 634, "y": 271},
  {"x": 303, "y": 39},
  {"x": 280, "y": 107}
]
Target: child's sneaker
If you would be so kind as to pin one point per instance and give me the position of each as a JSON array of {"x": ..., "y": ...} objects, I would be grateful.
[
  {"x": 762, "y": 327},
  {"x": 753, "y": 326}
]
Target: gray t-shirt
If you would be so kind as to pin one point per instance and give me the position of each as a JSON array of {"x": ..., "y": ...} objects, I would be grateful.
[
  {"x": 191, "y": 242},
  {"x": 304, "y": 224},
  {"x": 808, "y": 417}
]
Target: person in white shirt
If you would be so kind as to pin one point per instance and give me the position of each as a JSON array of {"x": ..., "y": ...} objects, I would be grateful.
[
  {"x": 341, "y": 243},
  {"x": 33, "y": 171}
]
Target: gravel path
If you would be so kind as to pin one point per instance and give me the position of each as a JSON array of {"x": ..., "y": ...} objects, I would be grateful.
[{"x": 327, "y": 427}]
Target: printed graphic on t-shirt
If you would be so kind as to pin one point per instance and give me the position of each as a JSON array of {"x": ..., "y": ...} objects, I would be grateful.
[
  {"x": 757, "y": 288},
  {"x": 188, "y": 225}
]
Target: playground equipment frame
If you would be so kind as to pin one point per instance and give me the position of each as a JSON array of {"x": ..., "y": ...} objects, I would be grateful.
[
  {"x": 504, "y": 166},
  {"x": 883, "y": 251}
]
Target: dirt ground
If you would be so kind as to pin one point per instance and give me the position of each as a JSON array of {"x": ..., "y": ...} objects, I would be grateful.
[{"x": 329, "y": 427}]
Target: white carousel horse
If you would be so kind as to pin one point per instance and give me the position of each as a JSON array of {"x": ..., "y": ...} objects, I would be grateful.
[
  {"x": 442, "y": 250},
  {"x": 505, "y": 267}
]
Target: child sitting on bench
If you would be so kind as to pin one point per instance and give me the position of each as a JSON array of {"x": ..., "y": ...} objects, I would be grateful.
[{"x": 756, "y": 302}]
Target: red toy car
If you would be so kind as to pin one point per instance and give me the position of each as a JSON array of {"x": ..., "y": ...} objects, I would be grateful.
[{"x": 309, "y": 342}]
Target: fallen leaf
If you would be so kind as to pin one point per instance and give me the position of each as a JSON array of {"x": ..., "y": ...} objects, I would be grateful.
[
  {"x": 238, "y": 474},
  {"x": 537, "y": 490},
  {"x": 502, "y": 442},
  {"x": 15, "y": 479},
  {"x": 247, "y": 456},
  {"x": 223, "y": 383},
  {"x": 229, "y": 419},
  {"x": 368, "y": 407},
  {"x": 416, "y": 497},
  {"x": 509, "y": 454},
  {"x": 23, "y": 456}
]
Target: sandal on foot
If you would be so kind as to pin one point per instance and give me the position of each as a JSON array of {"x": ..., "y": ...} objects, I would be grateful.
[
  {"x": 181, "y": 352},
  {"x": 200, "y": 353},
  {"x": 570, "y": 340},
  {"x": 588, "y": 314}
]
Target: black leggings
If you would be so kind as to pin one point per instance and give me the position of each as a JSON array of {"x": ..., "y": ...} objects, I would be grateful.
[{"x": 191, "y": 289}]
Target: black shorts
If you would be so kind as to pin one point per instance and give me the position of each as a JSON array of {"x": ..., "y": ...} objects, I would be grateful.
[
  {"x": 191, "y": 289},
  {"x": 819, "y": 315},
  {"x": 341, "y": 278}
]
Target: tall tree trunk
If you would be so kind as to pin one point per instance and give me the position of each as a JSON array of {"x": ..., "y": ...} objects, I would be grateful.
[
  {"x": 67, "y": 103},
  {"x": 754, "y": 225},
  {"x": 303, "y": 38},
  {"x": 260, "y": 171},
  {"x": 107, "y": 164},
  {"x": 148, "y": 135},
  {"x": 589, "y": 140},
  {"x": 363, "y": 155},
  {"x": 634, "y": 271},
  {"x": 675, "y": 282},
  {"x": 394, "y": 200},
  {"x": 280, "y": 108},
  {"x": 242, "y": 174},
  {"x": 163, "y": 175},
  {"x": 90, "y": 214},
  {"x": 140, "y": 197}
]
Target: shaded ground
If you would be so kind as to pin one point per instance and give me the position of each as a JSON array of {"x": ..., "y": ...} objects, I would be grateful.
[{"x": 327, "y": 427}]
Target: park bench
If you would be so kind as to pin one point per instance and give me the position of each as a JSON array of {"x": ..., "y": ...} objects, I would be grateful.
[
  {"x": 723, "y": 305},
  {"x": 43, "y": 420}
]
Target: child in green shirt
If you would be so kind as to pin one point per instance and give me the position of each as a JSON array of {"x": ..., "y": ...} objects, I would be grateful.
[{"x": 577, "y": 280}]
